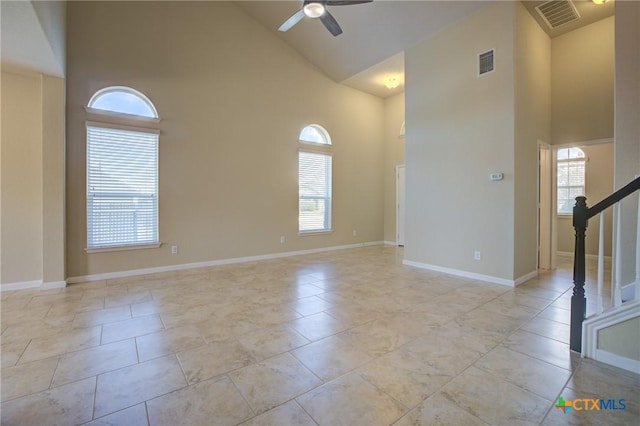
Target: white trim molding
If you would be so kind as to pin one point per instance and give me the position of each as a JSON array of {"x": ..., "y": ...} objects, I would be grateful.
[
  {"x": 209, "y": 263},
  {"x": 22, "y": 285},
  {"x": 50, "y": 285},
  {"x": 25, "y": 285},
  {"x": 473, "y": 275},
  {"x": 592, "y": 325},
  {"x": 625, "y": 363}
]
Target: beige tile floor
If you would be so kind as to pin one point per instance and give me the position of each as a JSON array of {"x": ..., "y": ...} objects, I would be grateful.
[{"x": 349, "y": 337}]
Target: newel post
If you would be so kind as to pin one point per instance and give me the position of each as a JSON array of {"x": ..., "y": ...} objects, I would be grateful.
[{"x": 578, "y": 301}]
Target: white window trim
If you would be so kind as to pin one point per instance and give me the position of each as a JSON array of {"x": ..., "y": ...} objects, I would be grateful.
[
  {"x": 121, "y": 127},
  {"x": 328, "y": 152},
  {"x": 121, "y": 115},
  {"x": 125, "y": 247},
  {"x": 124, "y": 89},
  {"x": 568, "y": 215},
  {"x": 320, "y": 232},
  {"x": 320, "y": 148}
]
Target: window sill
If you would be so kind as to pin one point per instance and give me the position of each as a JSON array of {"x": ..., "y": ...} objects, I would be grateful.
[
  {"x": 308, "y": 233},
  {"x": 565, "y": 215},
  {"x": 122, "y": 248},
  {"x": 113, "y": 114}
]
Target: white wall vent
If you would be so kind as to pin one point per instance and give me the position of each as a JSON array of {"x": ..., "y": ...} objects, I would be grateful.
[
  {"x": 558, "y": 12},
  {"x": 485, "y": 62}
]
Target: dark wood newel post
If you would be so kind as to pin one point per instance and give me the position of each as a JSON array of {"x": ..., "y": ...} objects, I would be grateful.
[{"x": 578, "y": 301}]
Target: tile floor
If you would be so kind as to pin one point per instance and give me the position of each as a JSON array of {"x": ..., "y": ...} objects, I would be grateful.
[{"x": 349, "y": 337}]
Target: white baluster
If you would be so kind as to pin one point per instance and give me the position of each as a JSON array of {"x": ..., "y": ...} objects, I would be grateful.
[
  {"x": 637, "y": 285},
  {"x": 600, "y": 306},
  {"x": 616, "y": 288}
]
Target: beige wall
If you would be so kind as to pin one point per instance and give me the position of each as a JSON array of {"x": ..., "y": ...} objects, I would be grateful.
[
  {"x": 21, "y": 168},
  {"x": 32, "y": 183},
  {"x": 53, "y": 181},
  {"x": 622, "y": 339},
  {"x": 582, "y": 84},
  {"x": 532, "y": 124},
  {"x": 627, "y": 124},
  {"x": 232, "y": 98},
  {"x": 599, "y": 184},
  {"x": 393, "y": 156},
  {"x": 460, "y": 128},
  {"x": 582, "y": 76}
]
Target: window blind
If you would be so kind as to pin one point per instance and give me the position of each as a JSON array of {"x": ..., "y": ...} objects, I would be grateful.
[
  {"x": 314, "y": 180},
  {"x": 122, "y": 187},
  {"x": 571, "y": 183}
]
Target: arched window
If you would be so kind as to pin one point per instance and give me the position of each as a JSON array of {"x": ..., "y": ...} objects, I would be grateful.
[
  {"x": 314, "y": 180},
  {"x": 571, "y": 181},
  {"x": 123, "y": 100},
  {"x": 122, "y": 171},
  {"x": 314, "y": 133}
]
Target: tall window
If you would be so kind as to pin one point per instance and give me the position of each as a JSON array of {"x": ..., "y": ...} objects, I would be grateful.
[
  {"x": 122, "y": 172},
  {"x": 314, "y": 180},
  {"x": 571, "y": 169}
]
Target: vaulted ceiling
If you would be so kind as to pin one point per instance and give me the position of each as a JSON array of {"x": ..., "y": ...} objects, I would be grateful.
[
  {"x": 370, "y": 49},
  {"x": 376, "y": 34}
]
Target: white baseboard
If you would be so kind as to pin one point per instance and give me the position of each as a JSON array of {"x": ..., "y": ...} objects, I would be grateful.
[
  {"x": 526, "y": 277},
  {"x": 210, "y": 263},
  {"x": 625, "y": 363},
  {"x": 390, "y": 243},
  {"x": 24, "y": 285},
  {"x": 49, "y": 285},
  {"x": 473, "y": 275}
]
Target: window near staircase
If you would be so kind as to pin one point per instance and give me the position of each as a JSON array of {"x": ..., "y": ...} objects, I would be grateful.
[{"x": 571, "y": 182}]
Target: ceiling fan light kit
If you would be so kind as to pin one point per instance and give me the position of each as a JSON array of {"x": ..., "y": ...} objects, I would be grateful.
[
  {"x": 314, "y": 10},
  {"x": 318, "y": 9}
]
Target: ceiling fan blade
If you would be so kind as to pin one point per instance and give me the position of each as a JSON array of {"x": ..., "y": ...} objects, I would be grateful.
[
  {"x": 345, "y": 2},
  {"x": 330, "y": 22},
  {"x": 294, "y": 19}
]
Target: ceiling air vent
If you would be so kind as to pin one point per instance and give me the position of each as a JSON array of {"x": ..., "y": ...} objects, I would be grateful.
[
  {"x": 558, "y": 12},
  {"x": 485, "y": 62}
]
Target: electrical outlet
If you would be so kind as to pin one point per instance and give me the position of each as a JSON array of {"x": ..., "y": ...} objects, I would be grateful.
[
  {"x": 355, "y": 233},
  {"x": 174, "y": 249},
  {"x": 282, "y": 240},
  {"x": 476, "y": 255}
]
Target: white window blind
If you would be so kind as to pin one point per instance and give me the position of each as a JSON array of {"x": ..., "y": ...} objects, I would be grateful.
[
  {"x": 122, "y": 187},
  {"x": 571, "y": 178},
  {"x": 314, "y": 180}
]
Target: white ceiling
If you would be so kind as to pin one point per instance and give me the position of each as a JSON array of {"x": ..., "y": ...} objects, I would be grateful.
[
  {"x": 370, "y": 49},
  {"x": 24, "y": 41},
  {"x": 374, "y": 38},
  {"x": 377, "y": 34}
]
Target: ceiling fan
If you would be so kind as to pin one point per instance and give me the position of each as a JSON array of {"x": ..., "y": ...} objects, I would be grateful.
[{"x": 318, "y": 9}]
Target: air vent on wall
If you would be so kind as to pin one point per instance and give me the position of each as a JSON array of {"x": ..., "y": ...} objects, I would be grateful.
[
  {"x": 558, "y": 12},
  {"x": 485, "y": 62}
]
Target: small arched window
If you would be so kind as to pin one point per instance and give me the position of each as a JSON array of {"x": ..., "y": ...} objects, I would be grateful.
[
  {"x": 571, "y": 178},
  {"x": 314, "y": 180},
  {"x": 123, "y": 100},
  {"x": 315, "y": 133},
  {"x": 122, "y": 171}
]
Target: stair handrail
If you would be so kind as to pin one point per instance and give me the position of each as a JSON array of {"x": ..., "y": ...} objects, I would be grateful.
[{"x": 581, "y": 216}]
